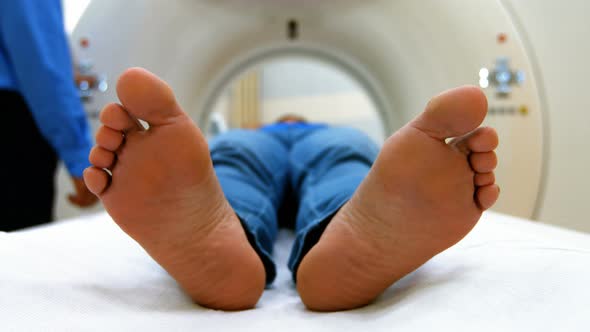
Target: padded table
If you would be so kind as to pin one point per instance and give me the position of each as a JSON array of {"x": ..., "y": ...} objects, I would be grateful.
[{"x": 87, "y": 275}]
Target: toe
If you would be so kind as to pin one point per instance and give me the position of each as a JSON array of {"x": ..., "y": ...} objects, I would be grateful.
[
  {"x": 96, "y": 179},
  {"x": 483, "y": 139},
  {"x": 108, "y": 138},
  {"x": 116, "y": 117},
  {"x": 453, "y": 113},
  {"x": 101, "y": 157},
  {"x": 484, "y": 162},
  {"x": 147, "y": 97},
  {"x": 486, "y": 196},
  {"x": 484, "y": 179}
]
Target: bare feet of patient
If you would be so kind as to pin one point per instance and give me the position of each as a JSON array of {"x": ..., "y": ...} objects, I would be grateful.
[
  {"x": 421, "y": 197},
  {"x": 164, "y": 193}
]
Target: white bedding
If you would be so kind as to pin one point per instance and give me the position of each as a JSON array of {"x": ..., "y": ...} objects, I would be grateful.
[{"x": 507, "y": 275}]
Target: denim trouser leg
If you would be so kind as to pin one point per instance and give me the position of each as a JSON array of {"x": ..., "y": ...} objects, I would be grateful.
[
  {"x": 326, "y": 168},
  {"x": 252, "y": 169}
]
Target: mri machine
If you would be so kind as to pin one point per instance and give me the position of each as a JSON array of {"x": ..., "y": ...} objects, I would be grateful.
[{"x": 508, "y": 274}]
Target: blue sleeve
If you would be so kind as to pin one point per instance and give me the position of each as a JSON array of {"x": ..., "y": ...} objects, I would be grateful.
[{"x": 37, "y": 46}]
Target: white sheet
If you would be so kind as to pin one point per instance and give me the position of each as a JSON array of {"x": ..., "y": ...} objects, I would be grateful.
[{"x": 507, "y": 275}]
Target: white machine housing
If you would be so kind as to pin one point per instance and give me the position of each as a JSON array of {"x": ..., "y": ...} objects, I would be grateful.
[{"x": 402, "y": 52}]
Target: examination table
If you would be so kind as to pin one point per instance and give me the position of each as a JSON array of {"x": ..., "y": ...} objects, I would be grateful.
[{"x": 87, "y": 275}]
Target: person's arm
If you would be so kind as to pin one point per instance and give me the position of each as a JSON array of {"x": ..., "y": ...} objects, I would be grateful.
[{"x": 36, "y": 42}]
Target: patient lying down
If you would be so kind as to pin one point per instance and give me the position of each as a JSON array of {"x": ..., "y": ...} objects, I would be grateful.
[{"x": 208, "y": 212}]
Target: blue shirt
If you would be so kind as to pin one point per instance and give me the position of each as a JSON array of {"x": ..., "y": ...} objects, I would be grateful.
[{"x": 35, "y": 60}]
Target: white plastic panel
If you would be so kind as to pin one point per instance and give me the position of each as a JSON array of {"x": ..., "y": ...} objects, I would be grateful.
[{"x": 402, "y": 51}]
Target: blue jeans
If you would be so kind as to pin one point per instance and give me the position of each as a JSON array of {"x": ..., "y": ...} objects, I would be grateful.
[{"x": 321, "y": 166}]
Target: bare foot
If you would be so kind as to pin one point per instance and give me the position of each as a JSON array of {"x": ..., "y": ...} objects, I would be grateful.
[
  {"x": 421, "y": 197},
  {"x": 164, "y": 193}
]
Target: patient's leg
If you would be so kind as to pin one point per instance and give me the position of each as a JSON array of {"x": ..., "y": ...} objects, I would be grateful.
[
  {"x": 164, "y": 193},
  {"x": 252, "y": 170},
  {"x": 327, "y": 167},
  {"x": 421, "y": 196}
]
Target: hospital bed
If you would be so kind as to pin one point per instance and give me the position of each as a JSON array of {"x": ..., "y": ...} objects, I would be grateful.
[{"x": 85, "y": 274}]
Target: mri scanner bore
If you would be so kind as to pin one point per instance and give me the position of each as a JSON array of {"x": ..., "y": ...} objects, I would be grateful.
[
  {"x": 389, "y": 52},
  {"x": 303, "y": 86}
]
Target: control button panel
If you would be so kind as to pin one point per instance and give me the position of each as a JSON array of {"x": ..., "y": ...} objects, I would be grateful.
[
  {"x": 501, "y": 77},
  {"x": 508, "y": 110},
  {"x": 88, "y": 81}
]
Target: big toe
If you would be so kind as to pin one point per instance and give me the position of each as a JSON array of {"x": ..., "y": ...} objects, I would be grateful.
[
  {"x": 453, "y": 113},
  {"x": 147, "y": 97}
]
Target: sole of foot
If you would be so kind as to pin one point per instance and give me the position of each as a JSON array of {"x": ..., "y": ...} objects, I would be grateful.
[
  {"x": 422, "y": 195},
  {"x": 161, "y": 189}
]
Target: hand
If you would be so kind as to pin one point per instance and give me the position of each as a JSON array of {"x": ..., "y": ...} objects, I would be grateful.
[{"x": 82, "y": 197}]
